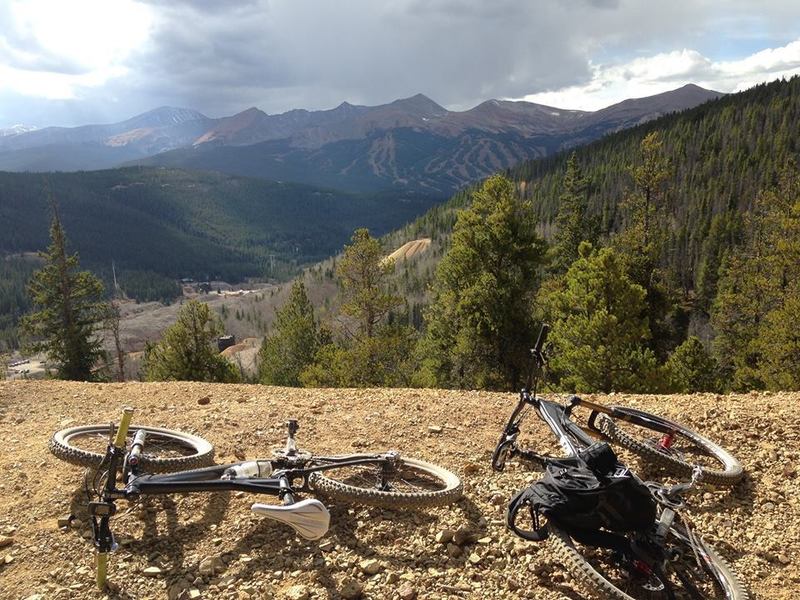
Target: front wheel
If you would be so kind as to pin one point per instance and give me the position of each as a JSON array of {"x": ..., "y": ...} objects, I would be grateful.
[
  {"x": 693, "y": 570},
  {"x": 686, "y": 448},
  {"x": 409, "y": 483},
  {"x": 165, "y": 450}
]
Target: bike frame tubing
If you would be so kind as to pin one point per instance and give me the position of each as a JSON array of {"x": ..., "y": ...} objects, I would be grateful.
[{"x": 209, "y": 479}]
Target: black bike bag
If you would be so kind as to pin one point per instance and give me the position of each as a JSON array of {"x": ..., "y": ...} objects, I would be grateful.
[{"x": 588, "y": 492}]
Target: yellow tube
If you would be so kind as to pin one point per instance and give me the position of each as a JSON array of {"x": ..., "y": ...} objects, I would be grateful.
[
  {"x": 122, "y": 432},
  {"x": 102, "y": 569}
]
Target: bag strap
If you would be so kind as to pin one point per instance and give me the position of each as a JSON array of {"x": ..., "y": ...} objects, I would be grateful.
[{"x": 522, "y": 499}]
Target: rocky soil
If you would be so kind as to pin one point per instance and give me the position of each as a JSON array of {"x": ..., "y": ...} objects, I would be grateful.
[{"x": 212, "y": 546}]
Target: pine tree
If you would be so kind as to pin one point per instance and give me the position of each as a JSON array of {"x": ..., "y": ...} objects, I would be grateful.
[
  {"x": 479, "y": 325},
  {"x": 187, "y": 351},
  {"x": 643, "y": 241},
  {"x": 752, "y": 313},
  {"x": 293, "y": 343},
  {"x": 691, "y": 368},
  {"x": 68, "y": 308},
  {"x": 363, "y": 272},
  {"x": 599, "y": 326},
  {"x": 573, "y": 224}
]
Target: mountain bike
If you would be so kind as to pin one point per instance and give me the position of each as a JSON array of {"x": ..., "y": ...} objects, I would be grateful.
[
  {"x": 656, "y": 440},
  {"x": 130, "y": 462},
  {"x": 620, "y": 537}
]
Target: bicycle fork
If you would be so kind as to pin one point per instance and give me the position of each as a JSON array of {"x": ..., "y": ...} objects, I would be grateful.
[{"x": 102, "y": 510}]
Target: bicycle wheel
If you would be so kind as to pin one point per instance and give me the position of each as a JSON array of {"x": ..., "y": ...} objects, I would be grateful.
[
  {"x": 165, "y": 450},
  {"x": 694, "y": 571},
  {"x": 687, "y": 450},
  {"x": 412, "y": 484}
]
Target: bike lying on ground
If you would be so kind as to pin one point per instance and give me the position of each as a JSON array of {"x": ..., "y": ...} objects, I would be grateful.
[
  {"x": 620, "y": 537},
  {"x": 131, "y": 455}
]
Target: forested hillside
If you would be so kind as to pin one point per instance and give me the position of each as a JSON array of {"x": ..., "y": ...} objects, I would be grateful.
[
  {"x": 721, "y": 155},
  {"x": 191, "y": 224}
]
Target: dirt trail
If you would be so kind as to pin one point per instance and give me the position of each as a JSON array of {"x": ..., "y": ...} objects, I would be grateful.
[{"x": 756, "y": 526}]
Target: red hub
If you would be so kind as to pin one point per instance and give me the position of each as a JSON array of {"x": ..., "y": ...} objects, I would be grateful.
[{"x": 667, "y": 440}]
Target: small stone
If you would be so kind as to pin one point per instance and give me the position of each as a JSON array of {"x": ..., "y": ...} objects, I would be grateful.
[
  {"x": 472, "y": 468},
  {"x": 64, "y": 521},
  {"x": 5, "y": 541},
  {"x": 789, "y": 470},
  {"x": 152, "y": 571},
  {"x": 407, "y": 592},
  {"x": 768, "y": 506},
  {"x": 204, "y": 400},
  {"x": 370, "y": 566},
  {"x": 351, "y": 588},
  {"x": 444, "y": 536},
  {"x": 485, "y": 540},
  {"x": 453, "y": 551},
  {"x": 8, "y": 559},
  {"x": 783, "y": 559},
  {"x": 194, "y": 593},
  {"x": 327, "y": 546},
  {"x": 435, "y": 429},
  {"x": 463, "y": 535},
  {"x": 297, "y": 592},
  {"x": 474, "y": 558},
  {"x": 211, "y": 565}
]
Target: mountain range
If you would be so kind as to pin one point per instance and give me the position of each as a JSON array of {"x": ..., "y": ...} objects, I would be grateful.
[{"x": 412, "y": 143}]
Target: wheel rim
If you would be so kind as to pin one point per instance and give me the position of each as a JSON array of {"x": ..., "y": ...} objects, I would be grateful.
[
  {"x": 686, "y": 572},
  {"x": 157, "y": 446},
  {"x": 685, "y": 446},
  {"x": 405, "y": 478}
]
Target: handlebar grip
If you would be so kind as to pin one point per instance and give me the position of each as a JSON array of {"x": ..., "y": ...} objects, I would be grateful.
[{"x": 542, "y": 338}]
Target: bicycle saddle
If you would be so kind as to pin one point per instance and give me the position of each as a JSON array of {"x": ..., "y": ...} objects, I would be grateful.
[{"x": 309, "y": 518}]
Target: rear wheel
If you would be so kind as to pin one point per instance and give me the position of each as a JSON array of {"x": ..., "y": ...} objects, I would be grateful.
[
  {"x": 685, "y": 450},
  {"x": 165, "y": 450},
  {"x": 694, "y": 570},
  {"x": 410, "y": 483}
]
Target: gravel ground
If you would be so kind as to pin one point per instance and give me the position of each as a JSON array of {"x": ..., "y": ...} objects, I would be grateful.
[{"x": 212, "y": 546}]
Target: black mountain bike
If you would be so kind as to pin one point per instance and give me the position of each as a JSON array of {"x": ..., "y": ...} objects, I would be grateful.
[
  {"x": 660, "y": 558},
  {"x": 123, "y": 461}
]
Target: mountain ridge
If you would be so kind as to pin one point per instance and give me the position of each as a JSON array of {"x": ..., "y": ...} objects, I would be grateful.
[{"x": 410, "y": 142}]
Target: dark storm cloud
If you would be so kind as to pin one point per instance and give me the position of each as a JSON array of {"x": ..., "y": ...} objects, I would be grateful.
[
  {"x": 222, "y": 56},
  {"x": 278, "y": 55}
]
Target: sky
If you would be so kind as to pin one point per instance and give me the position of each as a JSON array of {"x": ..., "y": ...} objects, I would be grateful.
[{"x": 98, "y": 61}]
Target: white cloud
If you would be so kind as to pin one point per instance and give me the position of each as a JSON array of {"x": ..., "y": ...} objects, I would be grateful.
[
  {"x": 55, "y": 49},
  {"x": 662, "y": 72}
]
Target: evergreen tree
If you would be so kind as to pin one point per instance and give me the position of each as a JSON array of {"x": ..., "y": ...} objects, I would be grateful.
[
  {"x": 642, "y": 243},
  {"x": 752, "y": 313},
  {"x": 573, "y": 224},
  {"x": 375, "y": 352},
  {"x": 691, "y": 368},
  {"x": 293, "y": 343},
  {"x": 479, "y": 325},
  {"x": 363, "y": 272},
  {"x": 68, "y": 308},
  {"x": 599, "y": 326},
  {"x": 187, "y": 352}
]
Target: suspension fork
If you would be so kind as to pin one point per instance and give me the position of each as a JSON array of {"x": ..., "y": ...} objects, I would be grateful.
[{"x": 103, "y": 509}]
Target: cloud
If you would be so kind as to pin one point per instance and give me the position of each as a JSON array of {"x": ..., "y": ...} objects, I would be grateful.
[
  {"x": 663, "y": 72},
  {"x": 222, "y": 57}
]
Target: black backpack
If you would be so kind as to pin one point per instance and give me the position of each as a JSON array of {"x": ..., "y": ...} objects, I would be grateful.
[{"x": 588, "y": 492}]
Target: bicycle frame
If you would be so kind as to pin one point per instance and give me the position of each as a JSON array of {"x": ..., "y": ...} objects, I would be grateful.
[{"x": 291, "y": 464}]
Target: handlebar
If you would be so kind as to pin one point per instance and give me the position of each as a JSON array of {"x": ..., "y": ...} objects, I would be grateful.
[{"x": 536, "y": 351}]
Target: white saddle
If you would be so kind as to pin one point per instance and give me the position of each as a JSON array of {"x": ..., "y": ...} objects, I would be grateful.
[{"x": 309, "y": 518}]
